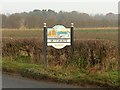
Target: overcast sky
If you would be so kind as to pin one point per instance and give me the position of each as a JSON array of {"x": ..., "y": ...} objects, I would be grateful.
[{"x": 86, "y": 6}]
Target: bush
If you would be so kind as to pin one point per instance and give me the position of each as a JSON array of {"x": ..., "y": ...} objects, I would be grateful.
[
  {"x": 99, "y": 53},
  {"x": 88, "y": 54}
]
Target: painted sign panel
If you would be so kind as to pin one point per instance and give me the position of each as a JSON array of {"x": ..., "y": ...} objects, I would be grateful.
[{"x": 58, "y": 36}]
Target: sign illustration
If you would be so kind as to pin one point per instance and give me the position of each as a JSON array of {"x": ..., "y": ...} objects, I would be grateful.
[{"x": 58, "y": 36}]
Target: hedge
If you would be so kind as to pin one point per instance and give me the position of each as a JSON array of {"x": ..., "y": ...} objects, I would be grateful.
[{"x": 88, "y": 54}]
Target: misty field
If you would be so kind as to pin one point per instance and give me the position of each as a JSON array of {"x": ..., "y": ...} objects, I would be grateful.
[{"x": 107, "y": 34}]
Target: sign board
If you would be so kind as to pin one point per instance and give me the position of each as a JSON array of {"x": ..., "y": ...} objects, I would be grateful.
[{"x": 58, "y": 36}]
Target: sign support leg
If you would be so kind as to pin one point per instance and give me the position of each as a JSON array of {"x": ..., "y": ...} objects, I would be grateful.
[
  {"x": 45, "y": 45},
  {"x": 72, "y": 42}
]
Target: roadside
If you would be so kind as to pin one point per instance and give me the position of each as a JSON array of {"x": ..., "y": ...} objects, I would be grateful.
[
  {"x": 58, "y": 74},
  {"x": 16, "y": 81}
]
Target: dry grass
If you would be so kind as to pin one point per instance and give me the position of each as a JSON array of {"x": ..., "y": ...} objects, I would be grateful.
[{"x": 81, "y": 33}]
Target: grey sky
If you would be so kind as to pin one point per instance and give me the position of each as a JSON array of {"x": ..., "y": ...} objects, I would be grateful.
[{"x": 86, "y": 7}]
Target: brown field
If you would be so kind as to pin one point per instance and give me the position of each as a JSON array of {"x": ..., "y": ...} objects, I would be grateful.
[{"x": 81, "y": 33}]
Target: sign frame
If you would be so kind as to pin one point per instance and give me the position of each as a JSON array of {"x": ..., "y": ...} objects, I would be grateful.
[{"x": 45, "y": 41}]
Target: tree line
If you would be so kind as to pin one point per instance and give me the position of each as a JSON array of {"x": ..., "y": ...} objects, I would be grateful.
[{"x": 36, "y": 18}]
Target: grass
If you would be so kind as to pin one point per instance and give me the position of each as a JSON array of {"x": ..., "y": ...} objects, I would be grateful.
[
  {"x": 23, "y": 59},
  {"x": 70, "y": 74},
  {"x": 96, "y": 34},
  {"x": 21, "y": 33},
  {"x": 109, "y": 34}
]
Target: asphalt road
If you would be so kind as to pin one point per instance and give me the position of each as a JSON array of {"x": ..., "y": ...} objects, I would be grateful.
[{"x": 9, "y": 81}]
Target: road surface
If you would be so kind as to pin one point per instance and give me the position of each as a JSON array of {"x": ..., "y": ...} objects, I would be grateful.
[{"x": 9, "y": 81}]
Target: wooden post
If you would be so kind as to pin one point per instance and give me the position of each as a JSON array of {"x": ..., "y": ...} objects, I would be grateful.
[
  {"x": 45, "y": 43},
  {"x": 72, "y": 41}
]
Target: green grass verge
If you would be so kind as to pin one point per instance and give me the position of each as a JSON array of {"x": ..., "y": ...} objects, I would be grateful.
[{"x": 70, "y": 74}]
